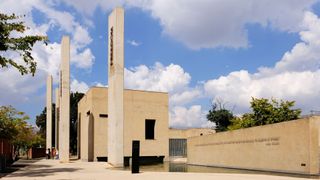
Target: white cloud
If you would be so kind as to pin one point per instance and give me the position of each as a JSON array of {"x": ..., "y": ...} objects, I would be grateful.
[
  {"x": 238, "y": 88},
  {"x": 210, "y": 24},
  {"x": 88, "y": 7},
  {"x": 304, "y": 55},
  {"x": 48, "y": 58},
  {"x": 199, "y": 24},
  {"x": 21, "y": 8},
  {"x": 81, "y": 36},
  {"x": 186, "y": 96},
  {"x": 18, "y": 90},
  {"x": 182, "y": 117},
  {"x": 133, "y": 43},
  {"x": 77, "y": 86},
  {"x": 82, "y": 59},
  {"x": 157, "y": 78},
  {"x": 295, "y": 77}
]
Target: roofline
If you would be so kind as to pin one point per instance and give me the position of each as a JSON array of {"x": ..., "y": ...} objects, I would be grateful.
[
  {"x": 128, "y": 90},
  {"x": 188, "y": 128}
]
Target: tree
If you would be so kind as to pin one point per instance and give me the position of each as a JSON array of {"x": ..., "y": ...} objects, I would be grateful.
[
  {"x": 74, "y": 99},
  {"x": 13, "y": 126},
  {"x": 220, "y": 116},
  {"x": 266, "y": 112},
  {"x": 26, "y": 138},
  {"x": 23, "y": 44},
  {"x": 41, "y": 123},
  {"x": 9, "y": 120}
]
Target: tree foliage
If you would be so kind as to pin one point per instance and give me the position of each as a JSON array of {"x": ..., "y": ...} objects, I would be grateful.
[
  {"x": 74, "y": 99},
  {"x": 219, "y": 115},
  {"x": 14, "y": 127},
  {"x": 27, "y": 137},
  {"x": 266, "y": 111},
  {"x": 10, "y": 119},
  {"x": 10, "y": 24},
  {"x": 41, "y": 123}
]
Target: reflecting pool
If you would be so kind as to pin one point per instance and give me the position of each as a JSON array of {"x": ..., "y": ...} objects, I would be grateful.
[{"x": 183, "y": 167}]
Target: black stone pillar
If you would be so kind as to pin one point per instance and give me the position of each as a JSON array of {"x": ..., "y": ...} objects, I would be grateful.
[{"x": 135, "y": 156}]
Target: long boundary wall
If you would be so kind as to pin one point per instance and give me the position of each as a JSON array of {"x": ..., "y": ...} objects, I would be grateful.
[{"x": 291, "y": 146}]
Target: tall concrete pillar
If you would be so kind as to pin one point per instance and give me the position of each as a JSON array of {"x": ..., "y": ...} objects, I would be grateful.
[
  {"x": 115, "y": 87},
  {"x": 49, "y": 113},
  {"x": 64, "y": 124},
  {"x": 57, "y": 118},
  {"x": 60, "y": 90}
]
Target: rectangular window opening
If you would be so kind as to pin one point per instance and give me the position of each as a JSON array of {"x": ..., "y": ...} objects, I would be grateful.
[
  {"x": 103, "y": 115},
  {"x": 149, "y": 128}
]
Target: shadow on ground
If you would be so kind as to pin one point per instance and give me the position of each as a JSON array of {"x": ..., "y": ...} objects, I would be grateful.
[
  {"x": 21, "y": 163},
  {"x": 27, "y": 168},
  {"x": 42, "y": 172}
]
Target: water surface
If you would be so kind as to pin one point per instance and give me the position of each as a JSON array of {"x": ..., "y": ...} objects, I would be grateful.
[{"x": 183, "y": 167}]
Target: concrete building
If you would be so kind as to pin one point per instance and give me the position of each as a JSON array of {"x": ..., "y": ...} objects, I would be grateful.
[
  {"x": 145, "y": 119},
  {"x": 109, "y": 119}
]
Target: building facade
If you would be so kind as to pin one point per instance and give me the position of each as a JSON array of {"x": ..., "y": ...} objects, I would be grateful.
[{"x": 145, "y": 119}]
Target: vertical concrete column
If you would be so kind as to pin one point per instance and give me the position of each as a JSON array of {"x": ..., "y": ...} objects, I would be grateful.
[
  {"x": 64, "y": 131},
  {"x": 59, "y": 125},
  {"x": 57, "y": 118},
  {"x": 78, "y": 135},
  {"x": 49, "y": 113},
  {"x": 115, "y": 87}
]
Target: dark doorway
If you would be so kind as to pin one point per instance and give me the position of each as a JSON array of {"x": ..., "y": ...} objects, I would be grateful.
[{"x": 149, "y": 128}]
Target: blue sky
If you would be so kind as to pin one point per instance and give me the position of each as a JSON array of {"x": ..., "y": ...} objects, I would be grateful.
[{"x": 198, "y": 51}]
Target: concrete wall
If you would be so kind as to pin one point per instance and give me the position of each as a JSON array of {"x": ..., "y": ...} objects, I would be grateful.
[
  {"x": 100, "y": 106},
  {"x": 84, "y": 107},
  {"x": 141, "y": 105},
  {"x": 138, "y": 106},
  {"x": 186, "y": 133},
  {"x": 285, "y": 147}
]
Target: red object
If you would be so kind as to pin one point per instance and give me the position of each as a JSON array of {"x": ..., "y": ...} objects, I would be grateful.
[
  {"x": 6, "y": 149},
  {"x": 36, "y": 152}
]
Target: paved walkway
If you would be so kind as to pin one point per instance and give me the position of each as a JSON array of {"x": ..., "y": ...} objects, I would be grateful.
[{"x": 52, "y": 169}]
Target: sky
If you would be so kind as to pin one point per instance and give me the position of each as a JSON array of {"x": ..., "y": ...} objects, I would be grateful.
[{"x": 199, "y": 51}]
